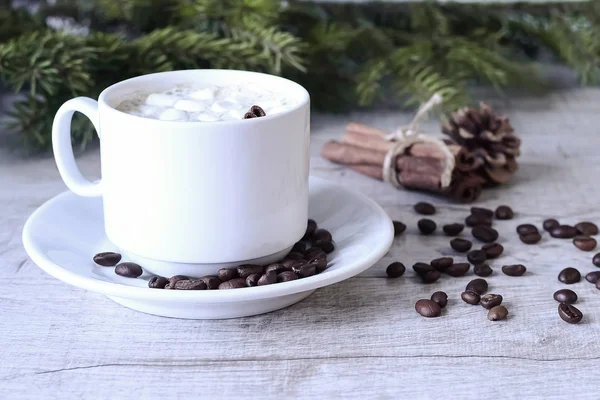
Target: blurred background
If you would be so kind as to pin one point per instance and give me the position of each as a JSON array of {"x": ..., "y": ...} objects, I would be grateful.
[{"x": 348, "y": 54}]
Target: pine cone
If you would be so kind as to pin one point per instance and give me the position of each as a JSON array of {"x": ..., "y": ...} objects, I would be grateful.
[{"x": 489, "y": 138}]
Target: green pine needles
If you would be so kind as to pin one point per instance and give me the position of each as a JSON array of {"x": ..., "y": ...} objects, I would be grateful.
[{"x": 345, "y": 55}]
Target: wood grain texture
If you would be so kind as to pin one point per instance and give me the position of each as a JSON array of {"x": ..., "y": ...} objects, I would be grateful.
[{"x": 357, "y": 339}]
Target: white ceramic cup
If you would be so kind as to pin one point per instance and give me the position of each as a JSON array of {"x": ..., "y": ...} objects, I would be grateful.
[{"x": 191, "y": 197}]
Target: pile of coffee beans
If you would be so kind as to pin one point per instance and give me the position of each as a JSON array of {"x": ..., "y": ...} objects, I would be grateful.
[
  {"x": 308, "y": 257},
  {"x": 480, "y": 220}
]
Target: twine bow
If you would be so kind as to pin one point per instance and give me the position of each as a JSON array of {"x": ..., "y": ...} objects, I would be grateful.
[{"x": 406, "y": 136}]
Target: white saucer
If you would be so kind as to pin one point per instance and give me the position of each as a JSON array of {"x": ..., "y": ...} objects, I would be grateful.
[{"x": 63, "y": 235}]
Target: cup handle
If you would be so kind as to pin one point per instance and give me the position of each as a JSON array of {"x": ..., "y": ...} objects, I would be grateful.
[{"x": 63, "y": 150}]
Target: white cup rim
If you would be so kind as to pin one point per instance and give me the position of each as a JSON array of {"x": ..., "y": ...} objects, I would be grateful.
[{"x": 304, "y": 97}]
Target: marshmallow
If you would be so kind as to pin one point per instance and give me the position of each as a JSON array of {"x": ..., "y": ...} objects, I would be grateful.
[
  {"x": 207, "y": 117},
  {"x": 219, "y": 107},
  {"x": 188, "y": 105},
  {"x": 203, "y": 94},
  {"x": 159, "y": 99},
  {"x": 172, "y": 114}
]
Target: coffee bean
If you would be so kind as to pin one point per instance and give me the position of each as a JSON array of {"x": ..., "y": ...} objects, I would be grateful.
[
  {"x": 569, "y": 276},
  {"x": 395, "y": 270},
  {"x": 311, "y": 226},
  {"x": 514, "y": 270},
  {"x": 107, "y": 259},
  {"x": 587, "y": 228},
  {"x": 190, "y": 284},
  {"x": 286, "y": 276},
  {"x": 484, "y": 234},
  {"x": 476, "y": 257},
  {"x": 320, "y": 265},
  {"x": 524, "y": 229},
  {"x": 550, "y": 224},
  {"x": 315, "y": 252},
  {"x": 174, "y": 279},
  {"x": 497, "y": 313},
  {"x": 157, "y": 282},
  {"x": 305, "y": 270},
  {"x": 504, "y": 212},
  {"x": 268, "y": 278},
  {"x": 424, "y": 208},
  {"x": 470, "y": 297},
  {"x": 598, "y": 285},
  {"x": 252, "y": 280},
  {"x": 478, "y": 219},
  {"x": 458, "y": 269},
  {"x": 235, "y": 283},
  {"x": 569, "y": 313},
  {"x": 483, "y": 270},
  {"x": 277, "y": 267},
  {"x": 430, "y": 276},
  {"x": 489, "y": 301},
  {"x": 585, "y": 243},
  {"x": 565, "y": 296},
  {"x": 564, "y": 232},
  {"x": 486, "y": 212},
  {"x": 128, "y": 270},
  {"x": 426, "y": 226},
  {"x": 428, "y": 308},
  {"x": 321, "y": 234},
  {"x": 493, "y": 250},
  {"x": 440, "y": 298},
  {"x": 212, "y": 282},
  {"x": 530, "y": 238},
  {"x": 327, "y": 247},
  {"x": 226, "y": 274},
  {"x": 299, "y": 247},
  {"x": 422, "y": 268},
  {"x": 293, "y": 256},
  {"x": 596, "y": 260},
  {"x": 399, "y": 228},
  {"x": 477, "y": 285},
  {"x": 289, "y": 265},
  {"x": 593, "y": 277},
  {"x": 461, "y": 245},
  {"x": 442, "y": 263},
  {"x": 453, "y": 229}
]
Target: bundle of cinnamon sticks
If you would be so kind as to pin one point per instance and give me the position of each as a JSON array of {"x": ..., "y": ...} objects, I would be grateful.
[{"x": 363, "y": 148}]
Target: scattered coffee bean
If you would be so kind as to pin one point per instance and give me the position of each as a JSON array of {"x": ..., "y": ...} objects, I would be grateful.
[
  {"x": 587, "y": 228},
  {"x": 489, "y": 301},
  {"x": 585, "y": 243},
  {"x": 107, "y": 259},
  {"x": 428, "y": 308},
  {"x": 596, "y": 260},
  {"x": 453, "y": 229},
  {"x": 478, "y": 285},
  {"x": 321, "y": 234},
  {"x": 422, "y": 268},
  {"x": 278, "y": 267},
  {"x": 252, "y": 280},
  {"x": 497, "y": 313},
  {"x": 315, "y": 252},
  {"x": 461, "y": 245},
  {"x": 478, "y": 219},
  {"x": 524, "y": 229},
  {"x": 286, "y": 276},
  {"x": 305, "y": 270},
  {"x": 504, "y": 212},
  {"x": 235, "y": 283},
  {"x": 530, "y": 238},
  {"x": 311, "y": 226},
  {"x": 157, "y": 282},
  {"x": 598, "y": 285},
  {"x": 399, "y": 228},
  {"x": 492, "y": 250},
  {"x": 476, "y": 257},
  {"x": 327, "y": 247},
  {"x": 458, "y": 269},
  {"x": 426, "y": 226},
  {"x": 564, "y": 232},
  {"x": 442, "y": 263},
  {"x": 470, "y": 297},
  {"x": 514, "y": 270},
  {"x": 190, "y": 284},
  {"x": 320, "y": 265},
  {"x": 226, "y": 274},
  {"x": 440, "y": 298},
  {"x": 482, "y": 270},
  {"x": 424, "y": 208},
  {"x": 550, "y": 224},
  {"x": 430, "y": 276},
  {"x": 593, "y": 277},
  {"x": 395, "y": 270},
  {"x": 268, "y": 278},
  {"x": 299, "y": 247},
  {"x": 569, "y": 276},
  {"x": 565, "y": 296},
  {"x": 212, "y": 282},
  {"x": 484, "y": 234},
  {"x": 128, "y": 270},
  {"x": 246, "y": 270},
  {"x": 486, "y": 212},
  {"x": 569, "y": 313},
  {"x": 174, "y": 279}
]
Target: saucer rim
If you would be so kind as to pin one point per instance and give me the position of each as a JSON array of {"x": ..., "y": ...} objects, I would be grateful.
[{"x": 211, "y": 296}]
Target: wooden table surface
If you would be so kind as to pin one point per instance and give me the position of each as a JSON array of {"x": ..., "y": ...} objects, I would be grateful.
[{"x": 357, "y": 339}]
